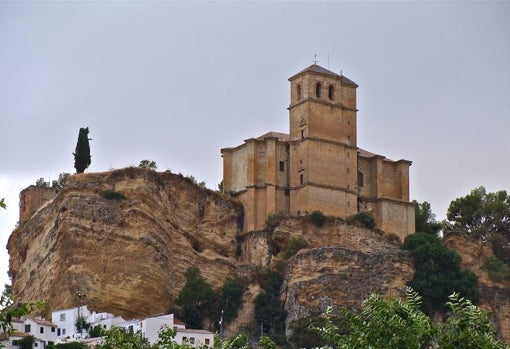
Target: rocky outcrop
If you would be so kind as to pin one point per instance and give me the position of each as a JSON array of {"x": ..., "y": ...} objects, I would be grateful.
[{"x": 129, "y": 256}]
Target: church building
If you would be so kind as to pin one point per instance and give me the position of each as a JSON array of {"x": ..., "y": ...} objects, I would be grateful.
[{"x": 318, "y": 165}]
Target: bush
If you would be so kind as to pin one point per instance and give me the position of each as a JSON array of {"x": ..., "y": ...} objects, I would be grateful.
[
  {"x": 497, "y": 270},
  {"x": 294, "y": 245},
  {"x": 112, "y": 195},
  {"x": 318, "y": 218},
  {"x": 365, "y": 219},
  {"x": 273, "y": 220}
]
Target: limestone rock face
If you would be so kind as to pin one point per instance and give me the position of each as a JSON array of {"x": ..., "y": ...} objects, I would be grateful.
[
  {"x": 128, "y": 256},
  {"x": 494, "y": 296}
]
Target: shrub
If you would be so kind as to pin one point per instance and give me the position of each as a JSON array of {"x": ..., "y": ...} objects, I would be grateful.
[
  {"x": 294, "y": 245},
  {"x": 273, "y": 220},
  {"x": 318, "y": 218},
  {"x": 365, "y": 219},
  {"x": 112, "y": 195},
  {"x": 497, "y": 270}
]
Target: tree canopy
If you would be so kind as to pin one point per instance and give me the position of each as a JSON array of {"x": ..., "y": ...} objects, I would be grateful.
[
  {"x": 425, "y": 220},
  {"x": 82, "y": 152},
  {"x": 196, "y": 298},
  {"x": 148, "y": 164},
  {"x": 395, "y": 323},
  {"x": 438, "y": 273},
  {"x": 480, "y": 214}
]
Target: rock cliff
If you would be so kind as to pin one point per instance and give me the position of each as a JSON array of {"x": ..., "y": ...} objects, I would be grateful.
[{"x": 129, "y": 256}]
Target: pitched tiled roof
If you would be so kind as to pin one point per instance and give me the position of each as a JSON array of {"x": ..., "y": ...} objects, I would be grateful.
[
  {"x": 43, "y": 322},
  {"x": 317, "y": 69}
]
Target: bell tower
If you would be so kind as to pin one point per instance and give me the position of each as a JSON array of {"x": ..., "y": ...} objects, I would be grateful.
[
  {"x": 323, "y": 146},
  {"x": 323, "y": 106}
]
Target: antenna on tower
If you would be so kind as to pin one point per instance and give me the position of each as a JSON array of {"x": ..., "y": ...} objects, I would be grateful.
[{"x": 315, "y": 59}]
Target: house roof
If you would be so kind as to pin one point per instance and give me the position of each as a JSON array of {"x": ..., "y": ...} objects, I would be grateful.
[
  {"x": 282, "y": 137},
  {"x": 43, "y": 322},
  {"x": 317, "y": 69},
  {"x": 190, "y": 330}
]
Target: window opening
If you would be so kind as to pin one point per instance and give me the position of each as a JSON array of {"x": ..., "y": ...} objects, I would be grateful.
[
  {"x": 282, "y": 166},
  {"x": 302, "y": 134},
  {"x": 360, "y": 179},
  {"x": 301, "y": 179},
  {"x": 331, "y": 92},
  {"x": 298, "y": 92},
  {"x": 318, "y": 90}
]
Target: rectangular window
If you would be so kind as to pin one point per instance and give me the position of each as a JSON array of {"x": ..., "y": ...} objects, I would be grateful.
[
  {"x": 58, "y": 332},
  {"x": 27, "y": 328},
  {"x": 63, "y": 332},
  {"x": 35, "y": 345},
  {"x": 53, "y": 329},
  {"x": 41, "y": 329},
  {"x": 282, "y": 166},
  {"x": 192, "y": 340},
  {"x": 301, "y": 179},
  {"x": 184, "y": 339},
  {"x": 302, "y": 134},
  {"x": 207, "y": 341},
  {"x": 62, "y": 317}
]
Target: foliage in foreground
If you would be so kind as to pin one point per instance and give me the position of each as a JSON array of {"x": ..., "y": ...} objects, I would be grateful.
[{"x": 395, "y": 323}]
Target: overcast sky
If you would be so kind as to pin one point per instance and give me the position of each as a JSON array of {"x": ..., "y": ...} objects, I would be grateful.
[{"x": 176, "y": 82}]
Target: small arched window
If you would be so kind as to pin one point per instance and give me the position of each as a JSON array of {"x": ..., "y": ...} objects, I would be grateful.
[
  {"x": 318, "y": 90},
  {"x": 298, "y": 89},
  {"x": 331, "y": 92}
]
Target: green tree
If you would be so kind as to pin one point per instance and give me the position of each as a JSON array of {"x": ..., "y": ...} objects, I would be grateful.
[
  {"x": 196, "y": 298},
  {"x": 42, "y": 183},
  {"x": 394, "y": 323},
  {"x": 96, "y": 331},
  {"x": 480, "y": 214},
  {"x": 81, "y": 324},
  {"x": 2, "y": 203},
  {"x": 425, "y": 220},
  {"x": 60, "y": 182},
  {"x": 148, "y": 164},
  {"x": 438, "y": 273},
  {"x": 82, "y": 152},
  {"x": 26, "y": 342},
  {"x": 269, "y": 312},
  {"x": 119, "y": 338},
  {"x": 232, "y": 297}
]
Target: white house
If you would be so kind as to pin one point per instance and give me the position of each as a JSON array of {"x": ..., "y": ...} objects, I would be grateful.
[
  {"x": 150, "y": 327},
  {"x": 44, "y": 332},
  {"x": 105, "y": 320},
  {"x": 194, "y": 337},
  {"x": 65, "y": 320}
]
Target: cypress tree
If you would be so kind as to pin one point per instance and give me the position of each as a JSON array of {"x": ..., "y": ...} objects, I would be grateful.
[{"x": 82, "y": 151}]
